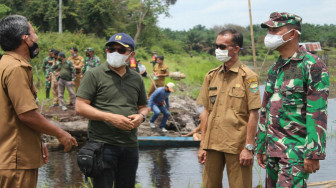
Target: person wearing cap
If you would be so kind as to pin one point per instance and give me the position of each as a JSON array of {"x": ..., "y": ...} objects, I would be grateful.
[
  {"x": 159, "y": 103},
  {"x": 22, "y": 151},
  {"x": 47, "y": 69},
  {"x": 160, "y": 72},
  {"x": 66, "y": 78},
  {"x": 78, "y": 62},
  {"x": 91, "y": 60},
  {"x": 113, "y": 98},
  {"x": 291, "y": 138},
  {"x": 231, "y": 100}
]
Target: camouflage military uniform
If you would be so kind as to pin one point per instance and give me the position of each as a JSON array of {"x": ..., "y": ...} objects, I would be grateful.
[
  {"x": 90, "y": 63},
  {"x": 47, "y": 68},
  {"x": 293, "y": 119}
]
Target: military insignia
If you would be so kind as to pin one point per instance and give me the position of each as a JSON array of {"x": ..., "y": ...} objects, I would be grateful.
[
  {"x": 213, "y": 99},
  {"x": 237, "y": 85},
  {"x": 252, "y": 80},
  {"x": 254, "y": 87},
  {"x": 118, "y": 37},
  {"x": 212, "y": 88}
]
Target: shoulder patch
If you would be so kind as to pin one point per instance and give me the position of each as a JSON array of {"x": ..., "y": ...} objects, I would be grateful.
[
  {"x": 252, "y": 80},
  {"x": 254, "y": 87}
]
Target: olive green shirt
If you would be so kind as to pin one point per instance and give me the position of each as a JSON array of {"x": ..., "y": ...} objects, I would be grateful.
[{"x": 109, "y": 92}]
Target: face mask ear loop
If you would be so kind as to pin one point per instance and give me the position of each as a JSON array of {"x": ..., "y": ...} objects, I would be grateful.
[{"x": 263, "y": 62}]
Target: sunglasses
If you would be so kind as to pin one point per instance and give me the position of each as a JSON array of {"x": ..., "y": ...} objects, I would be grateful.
[
  {"x": 222, "y": 46},
  {"x": 121, "y": 50}
]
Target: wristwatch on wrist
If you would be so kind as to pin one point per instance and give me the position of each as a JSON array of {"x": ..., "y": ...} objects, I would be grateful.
[
  {"x": 249, "y": 147},
  {"x": 143, "y": 117}
]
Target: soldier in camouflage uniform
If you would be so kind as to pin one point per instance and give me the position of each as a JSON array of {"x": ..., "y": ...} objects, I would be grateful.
[
  {"x": 291, "y": 136},
  {"x": 47, "y": 65},
  {"x": 91, "y": 60}
]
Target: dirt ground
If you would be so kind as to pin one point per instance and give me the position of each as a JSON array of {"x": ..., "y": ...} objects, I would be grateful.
[{"x": 184, "y": 118}]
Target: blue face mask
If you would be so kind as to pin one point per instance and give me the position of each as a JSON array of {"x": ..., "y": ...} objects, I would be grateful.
[{"x": 75, "y": 55}]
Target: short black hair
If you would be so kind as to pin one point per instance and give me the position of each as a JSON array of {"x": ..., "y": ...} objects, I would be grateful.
[
  {"x": 56, "y": 52},
  {"x": 11, "y": 30},
  {"x": 237, "y": 37},
  {"x": 160, "y": 57},
  {"x": 74, "y": 49}
]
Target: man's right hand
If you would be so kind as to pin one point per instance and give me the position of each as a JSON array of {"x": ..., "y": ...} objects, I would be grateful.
[
  {"x": 121, "y": 122},
  {"x": 261, "y": 160},
  {"x": 201, "y": 156},
  {"x": 67, "y": 141}
]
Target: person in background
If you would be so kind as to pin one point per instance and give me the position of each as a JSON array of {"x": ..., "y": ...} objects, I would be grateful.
[
  {"x": 160, "y": 72},
  {"x": 91, "y": 60},
  {"x": 54, "y": 84},
  {"x": 113, "y": 98},
  {"x": 231, "y": 100},
  {"x": 159, "y": 103},
  {"x": 196, "y": 133},
  {"x": 154, "y": 60},
  {"x": 78, "y": 62},
  {"x": 21, "y": 124},
  {"x": 133, "y": 64},
  {"x": 142, "y": 69},
  {"x": 291, "y": 138},
  {"x": 66, "y": 78},
  {"x": 47, "y": 68}
]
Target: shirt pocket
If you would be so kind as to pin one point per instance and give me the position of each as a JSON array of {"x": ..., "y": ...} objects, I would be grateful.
[
  {"x": 212, "y": 98},
  {"x": 293, "y": 92},
  {"x": 237, "y": 97}
]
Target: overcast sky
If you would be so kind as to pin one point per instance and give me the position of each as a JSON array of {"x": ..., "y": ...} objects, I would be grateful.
[{"x": 186, "y": 14}]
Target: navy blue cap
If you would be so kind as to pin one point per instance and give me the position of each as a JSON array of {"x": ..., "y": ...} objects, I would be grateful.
[
  {"x": 61, "y": 54},
  {"x": 123, "y": 39}
]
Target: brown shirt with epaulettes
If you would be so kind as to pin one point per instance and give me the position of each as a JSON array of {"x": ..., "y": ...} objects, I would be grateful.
[
  {"x": 229, "y": 96},
  {"x": 160, "y": 69},
  {"x": 20, "y": 146}
]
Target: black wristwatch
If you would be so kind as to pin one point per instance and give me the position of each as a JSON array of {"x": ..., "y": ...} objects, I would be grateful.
[{"x": 143, "y": 117}]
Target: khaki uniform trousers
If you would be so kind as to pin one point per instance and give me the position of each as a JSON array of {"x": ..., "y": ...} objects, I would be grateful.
[
  {"x": 77, "y": 81},
  {"x": 239, "y": 176},
  {"x": 54, "y": 88},
  {"x": 152, "y": 87},
  {"x": 18, "y": 178}
]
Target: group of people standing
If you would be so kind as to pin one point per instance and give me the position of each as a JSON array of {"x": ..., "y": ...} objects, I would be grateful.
[
  {"x": 61, "y": 72},
  {"x": 290, "y": 138}
]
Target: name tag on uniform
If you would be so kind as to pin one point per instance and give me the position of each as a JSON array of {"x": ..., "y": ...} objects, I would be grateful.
[{"x": 212, "y": 88}]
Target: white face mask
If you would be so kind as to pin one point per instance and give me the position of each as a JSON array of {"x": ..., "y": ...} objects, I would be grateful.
[
  {"x": 222, "y": 55},
  {"x": 116, "y": 60},
  {"x": 274, "y": 41}
]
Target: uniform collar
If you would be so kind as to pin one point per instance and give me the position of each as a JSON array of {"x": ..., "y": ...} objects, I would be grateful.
[
  {"x": 234, "y": 68},
  {"x": 299, "y": 54},
  {"x": 17, "y": 56}
]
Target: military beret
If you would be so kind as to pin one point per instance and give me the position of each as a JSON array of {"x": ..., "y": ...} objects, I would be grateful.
[
  {"x": 281, "y": 19},
  {"x": 89, "y": 49}
]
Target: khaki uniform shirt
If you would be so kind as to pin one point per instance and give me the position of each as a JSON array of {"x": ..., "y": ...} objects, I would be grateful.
[
  {"x": 20, "y": 146},
  {"x": 77, "y": 61},
  {"x": 229, "y": 96},
  {"x": 161, "y": 69}
]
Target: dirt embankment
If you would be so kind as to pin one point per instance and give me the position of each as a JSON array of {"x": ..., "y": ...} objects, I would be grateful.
[{"x": 184, "y": 116}]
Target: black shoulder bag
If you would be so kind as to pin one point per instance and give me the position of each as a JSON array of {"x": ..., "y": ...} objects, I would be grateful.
[{"x": 90, "y": 159}]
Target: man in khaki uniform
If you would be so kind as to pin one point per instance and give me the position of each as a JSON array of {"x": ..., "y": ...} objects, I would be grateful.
[
  {"x": 54, "y": 84},
  {"x": 78, "y": 62},
  {"x": 21, "y": 125},
  {"x": 160, "y": 71},
  {"x": 231, "y": 99}
]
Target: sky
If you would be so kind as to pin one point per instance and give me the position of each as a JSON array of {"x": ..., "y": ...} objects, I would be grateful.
[{"x": 186, "y": 14}]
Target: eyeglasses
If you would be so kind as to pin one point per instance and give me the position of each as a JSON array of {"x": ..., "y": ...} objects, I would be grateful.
[
  {"x": 222, "y": 46},
  {"x": 121, "y": 50}
]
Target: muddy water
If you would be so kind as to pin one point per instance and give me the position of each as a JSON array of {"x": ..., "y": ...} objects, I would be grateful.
[{"x": 175, "y": 167}]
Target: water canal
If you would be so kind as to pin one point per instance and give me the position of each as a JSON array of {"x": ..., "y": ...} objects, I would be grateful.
[{"x": 175, "y": 167}]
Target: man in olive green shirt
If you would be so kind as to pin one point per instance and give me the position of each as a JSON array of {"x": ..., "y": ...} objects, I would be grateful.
[
  {"x": 66, "y": 78},
  {"x": 114, "y": 100}
]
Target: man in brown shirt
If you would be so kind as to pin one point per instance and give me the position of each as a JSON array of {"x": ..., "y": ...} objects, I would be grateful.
[
  {"x": 160, "y": 72},
  {"x": 231, "y": 99},
  {"x": 21, "y": 125},
  {"x": 78, "y": 62}
]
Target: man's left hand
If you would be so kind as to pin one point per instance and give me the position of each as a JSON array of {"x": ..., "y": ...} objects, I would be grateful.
[
  {"x": 246, "y": 158},
  {"x": 136, "y": 119},
  {"x": 45, "y": 154},
  {"x": 311, "y": 165}
]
